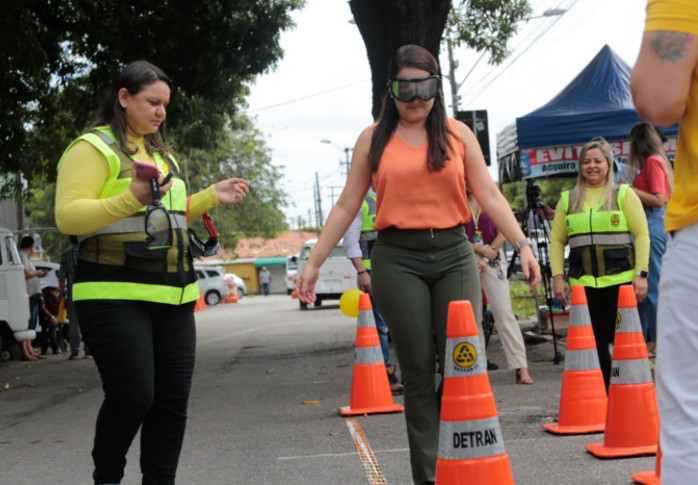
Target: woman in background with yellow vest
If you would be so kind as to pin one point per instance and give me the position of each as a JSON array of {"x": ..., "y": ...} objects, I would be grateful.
[
  {"x": 419, "y": 162},
  {"x": 599, "y": 221},
  {"x": 134, "y": 292}
]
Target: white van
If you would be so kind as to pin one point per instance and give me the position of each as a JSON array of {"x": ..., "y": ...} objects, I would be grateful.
[
  {"x": 291, "y": 273},
  {"x": 14, "y": 301},
  {"x": 337, "y": 274}
]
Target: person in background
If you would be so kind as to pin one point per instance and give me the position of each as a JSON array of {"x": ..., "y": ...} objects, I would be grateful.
[
  {"x": 653, "y": 185},
  {"x": 358, "y": 243},
  {"x": 612, "y": 215},
  {"x": 32, "y": 277},
  {"x": 664, "y": 84},
  {"x": 487, "y": 243},
  {"x": 135, "y": 286},
  {"x": 419, "y": 163},
  {"x": 48, "y": 318},
  {"x": 66, "y": 277},
  {"x": 265, "y": 280}
]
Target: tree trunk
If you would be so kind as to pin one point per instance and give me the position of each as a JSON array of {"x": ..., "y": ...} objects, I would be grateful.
[{"x": 386, "y": 25}]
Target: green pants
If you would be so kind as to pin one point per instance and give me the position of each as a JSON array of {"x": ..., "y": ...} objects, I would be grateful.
[{"x": 415, "y": 275}]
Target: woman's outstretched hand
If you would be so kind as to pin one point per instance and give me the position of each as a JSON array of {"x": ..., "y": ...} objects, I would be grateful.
[
  {"x": 305, "y": 286},
  {"x": 232, "y": 190}
]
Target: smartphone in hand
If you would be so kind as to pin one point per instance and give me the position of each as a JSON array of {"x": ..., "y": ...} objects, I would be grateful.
[{"x": 146, "y": 170}]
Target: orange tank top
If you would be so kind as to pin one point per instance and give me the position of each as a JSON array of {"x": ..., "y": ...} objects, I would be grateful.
[{"x": 411, "y": 197}]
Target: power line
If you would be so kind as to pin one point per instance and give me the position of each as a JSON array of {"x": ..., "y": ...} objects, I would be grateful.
[{"x": 283, "y": 103}]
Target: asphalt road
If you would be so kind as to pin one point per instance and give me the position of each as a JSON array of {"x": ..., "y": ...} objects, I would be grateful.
[{"x": 269, "y": 380}]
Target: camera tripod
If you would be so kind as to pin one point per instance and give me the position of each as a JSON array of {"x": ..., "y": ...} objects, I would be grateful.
[{"x": 536, "y": 229}]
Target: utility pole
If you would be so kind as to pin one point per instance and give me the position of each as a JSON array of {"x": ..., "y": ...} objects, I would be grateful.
[
  {"x": 347, "y": 161},
  {"x": 332, "y": 187},
  {"x": 318, "y": 200}
]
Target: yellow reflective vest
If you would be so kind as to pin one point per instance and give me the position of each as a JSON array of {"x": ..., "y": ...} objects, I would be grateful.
[
  {"x": 601, "y": 249},
  {"x": 368, "y": 234},
  {"x": 114, "y": 261}
]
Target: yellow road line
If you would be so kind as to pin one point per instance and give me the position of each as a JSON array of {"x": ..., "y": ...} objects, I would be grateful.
[{"x": 369, "y": 462}]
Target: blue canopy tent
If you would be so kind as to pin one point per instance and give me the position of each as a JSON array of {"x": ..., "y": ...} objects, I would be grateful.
[{"x": 598, "y": 102}]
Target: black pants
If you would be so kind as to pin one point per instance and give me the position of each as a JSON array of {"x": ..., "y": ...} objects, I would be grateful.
[
  {"x": 603, "y": 308},
  {"x": 145, "y": 355}
]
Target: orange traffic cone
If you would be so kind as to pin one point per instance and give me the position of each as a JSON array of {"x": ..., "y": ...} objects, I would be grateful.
[
  {"x": 653, "y": 477},
  {"x": 232, "y": 296},
  {"x": 471, "y": 447},
  {"x": 632, "y": 419},
  {"x": 200, "y": 303},
  {"x": 583, "y": 397},
  {"x": 370, "y": 389}
]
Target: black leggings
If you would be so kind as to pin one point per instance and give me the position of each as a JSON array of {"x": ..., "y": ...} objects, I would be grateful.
[
  {"x": 145, "y": 355},
  {"x": 603, "y": 308}
]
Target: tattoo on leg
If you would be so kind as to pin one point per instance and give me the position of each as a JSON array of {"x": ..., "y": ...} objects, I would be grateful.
[{"x": 671, "y": 46}]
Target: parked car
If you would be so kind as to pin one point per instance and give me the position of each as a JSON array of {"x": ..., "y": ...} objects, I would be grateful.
[
  {"x": 291, "y": 272},
  {"x": 240, "y": 285},
  {"x": 213, "y": 283}
]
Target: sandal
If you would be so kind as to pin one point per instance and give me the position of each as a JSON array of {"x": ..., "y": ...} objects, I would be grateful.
[
  {"x": 523, "y": 380},
  {"x": 396, "y": 387}
]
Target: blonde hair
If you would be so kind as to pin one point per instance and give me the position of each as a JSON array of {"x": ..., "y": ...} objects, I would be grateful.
[
  {"x": 645, "y": 141},
  {"x": 579, "y": 192}
]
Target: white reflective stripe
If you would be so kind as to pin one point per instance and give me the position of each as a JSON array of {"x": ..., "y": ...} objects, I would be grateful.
[
  {"x": 579, "y": 316},
  {"x": 366, "y": 319},
  {"x": 463, "y": 357},
  {"x": 135, "y": 224},
  {"x": 599, "y": 239},
  {"x": 586, "y": 359},
  {"x": 368, "y": 355},
  {"x": 467, "y": 440},
  {"x": 635, "y": 371},
  {"x": 628, "y": 321}
]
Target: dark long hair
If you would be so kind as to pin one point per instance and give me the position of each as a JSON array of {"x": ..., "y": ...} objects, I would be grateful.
[
  {"x": 437, "y": 129},
  {"x": 134, "y": 77},
  {"x": 645, "y": 141}
]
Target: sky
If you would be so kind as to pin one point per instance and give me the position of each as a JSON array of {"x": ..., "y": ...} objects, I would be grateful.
[{"x": 321, "y": 89}]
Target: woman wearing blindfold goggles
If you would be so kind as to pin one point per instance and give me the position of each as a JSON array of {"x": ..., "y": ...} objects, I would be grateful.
[
  {"x": 419, "y": 162},
  {"x": 135, "y": 286},
  {"x": 407, "y": 89}
]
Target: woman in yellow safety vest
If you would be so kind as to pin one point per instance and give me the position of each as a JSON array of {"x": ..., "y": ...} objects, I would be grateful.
[
  {"x": 135, "y": 286},
  {"x": 600, "y": 221}
]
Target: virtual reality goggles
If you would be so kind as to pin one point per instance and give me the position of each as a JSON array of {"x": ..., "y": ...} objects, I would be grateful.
[{"x": 407, "y": 89}]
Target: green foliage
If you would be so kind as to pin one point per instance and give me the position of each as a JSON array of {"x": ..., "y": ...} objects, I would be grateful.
[
  {"x": 487, "y": 25},
  {"x": 59, "y": 57},
  {"x": 241, "y": 152}
]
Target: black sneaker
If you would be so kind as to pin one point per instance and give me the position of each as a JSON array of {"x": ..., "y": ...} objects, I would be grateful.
[{"x": 491, "y": 365}]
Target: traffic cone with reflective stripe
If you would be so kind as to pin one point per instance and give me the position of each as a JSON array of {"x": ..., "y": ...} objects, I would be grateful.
[
  {"x": 370, "y": 388},
  {"x": 632, "y": 419},
  {"x": 232, "y": 296},
  {"x": 653, "y": 477},
  {"x": 471, "y": 447},
  {"x": 583, "y": 398}
]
